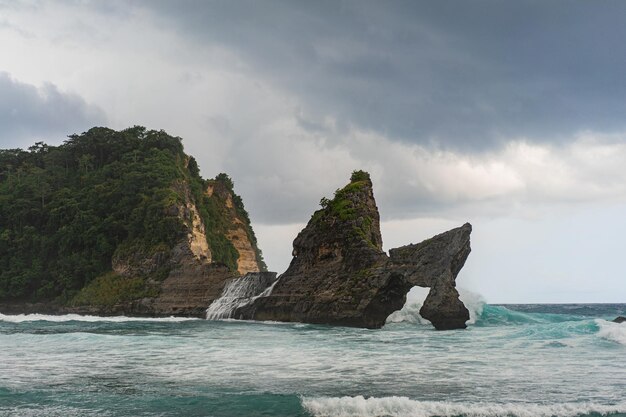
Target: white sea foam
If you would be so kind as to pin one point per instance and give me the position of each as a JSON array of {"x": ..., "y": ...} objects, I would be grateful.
[
  {"x": 19, "y": 318},
  {"x": 415, "y": 299},
  {"x": 405, "y": 407},
  {"x": 410, "y": 312},
  {"x": 474, "y": 302},
  {"x": 612, "y": 331}
]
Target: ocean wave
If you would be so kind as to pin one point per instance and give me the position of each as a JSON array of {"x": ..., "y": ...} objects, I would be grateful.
[
  {"x": 497, "y": 315},
  {"x": 410, "y": 312},
  {"x": 404, "y": 407},
  {"x": 20, "y": 318},
  {"x": 475, "y": 304},
  {"x": 612, "y": 331}
]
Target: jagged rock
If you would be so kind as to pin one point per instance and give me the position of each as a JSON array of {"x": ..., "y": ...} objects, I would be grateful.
[
  {"x": 619, "y": 319},
  {"x": 340, "y": 275},
  {"x": 435, "y": 263},
  {"x": 444, "y": 309}
]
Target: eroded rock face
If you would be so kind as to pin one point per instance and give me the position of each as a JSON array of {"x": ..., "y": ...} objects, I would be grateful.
[
  {"x": 435, "y": 263},
  {"x": 240, "y": 232},
  {"x": 191, "y": 285},
  {"x": 340, "y": 275}
]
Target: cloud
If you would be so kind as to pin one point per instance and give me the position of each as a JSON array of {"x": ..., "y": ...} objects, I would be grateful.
[
  {"x": 289, "y": 99},
  {"x": 522, "y": 178},
  {"x": 29, "y": 113},
  {"x": 456, "y": 75}
]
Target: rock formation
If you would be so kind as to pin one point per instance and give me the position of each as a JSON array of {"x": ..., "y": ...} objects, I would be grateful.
[
  {"x": 239, "y": 231},
  {"x": 340, "y": 275},
  {"x": 435, "y": 263},
  {"x": 121, "y": 222},
  {"x": 619, "y": 319}
]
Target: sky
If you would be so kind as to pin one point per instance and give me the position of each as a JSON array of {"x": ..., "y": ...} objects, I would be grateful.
[{"x": 507, "y": 115}]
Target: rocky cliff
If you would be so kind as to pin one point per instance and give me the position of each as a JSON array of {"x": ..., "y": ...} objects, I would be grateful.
[
  {"x": 193, "y": 280},
  {"x": 118, "y": 222},
  {"x": 239, "y": 230},
  {"x": 340, "y": 275}
]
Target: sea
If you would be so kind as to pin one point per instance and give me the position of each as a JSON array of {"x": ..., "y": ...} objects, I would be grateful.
[{"x": 513, "y": 360}]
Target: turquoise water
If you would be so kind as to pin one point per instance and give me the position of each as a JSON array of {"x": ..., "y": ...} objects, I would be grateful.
[{"x": 525, "y": 360}]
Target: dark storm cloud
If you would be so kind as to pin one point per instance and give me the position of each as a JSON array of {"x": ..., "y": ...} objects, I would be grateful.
[
  {"x": 28, "y": 113},
  {"x": 459, "y": 74}
]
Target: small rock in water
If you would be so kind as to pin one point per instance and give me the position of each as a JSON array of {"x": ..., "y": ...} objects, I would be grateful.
[{"x": 620, "y": 319}]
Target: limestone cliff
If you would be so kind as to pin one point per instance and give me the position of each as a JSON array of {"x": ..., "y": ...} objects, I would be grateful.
[
  {"x": 188, "y": 280},
  {"x": 340, "y": 275},
  {"x": 237, "y": 229},
  {"x": 194, "y": 281}
]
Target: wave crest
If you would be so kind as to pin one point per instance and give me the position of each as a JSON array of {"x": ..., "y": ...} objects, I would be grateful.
[
  {"x": 612, "y": 331},
  {"x": 404, "y": 407},
  {"x": 20, "y": 318}
]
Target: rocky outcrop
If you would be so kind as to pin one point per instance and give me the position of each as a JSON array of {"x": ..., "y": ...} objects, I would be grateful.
[
  {"x": 619, "y": 319},
  {"x": 238, "y": 231},
  {"x": 340, "y": 275},
  {"x": 435, "y": 263}
]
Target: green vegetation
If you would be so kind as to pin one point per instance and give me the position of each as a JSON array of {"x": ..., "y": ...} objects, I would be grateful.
[
  {"x": 215, "y": 217},
  {"x": 344, "y": 204},
  {"x": 66, "y": 211},
  {"x": 243, "y": 215},
  {"x": 360, "y": 175},
  {"x": 111, "y": 288},
  {"x": 348, "y": 205}
]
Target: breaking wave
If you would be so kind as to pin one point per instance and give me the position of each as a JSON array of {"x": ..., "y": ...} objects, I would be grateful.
[
  {"x": 404, "y": 407},
  {"x": 415, "y": 299},
  {"x": 612, "y": 331},
  {"x": 20, "y": 318}
]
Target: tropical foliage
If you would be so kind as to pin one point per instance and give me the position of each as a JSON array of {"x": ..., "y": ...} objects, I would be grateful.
[{"x": 65, "y": 211}]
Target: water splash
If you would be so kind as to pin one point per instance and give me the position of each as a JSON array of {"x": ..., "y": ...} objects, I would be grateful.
[
  {"x": 612, "y": 331},
  {"x": 415, "y": 299},
  {"x": 240, "y": 292},
  {"x": 410, "y": 312},
  {"x": 21, "y": 318},
  {"x": 474, "y": 302}
]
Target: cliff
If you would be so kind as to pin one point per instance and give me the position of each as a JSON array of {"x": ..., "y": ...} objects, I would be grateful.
[
  {"x": 340, "y": 275},
  {"x": 239, "y": 231},
  {"x": 117, "y": 222}
]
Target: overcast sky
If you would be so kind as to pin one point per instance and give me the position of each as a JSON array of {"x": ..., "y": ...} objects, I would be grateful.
[{"x": 509, "y": 115}]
